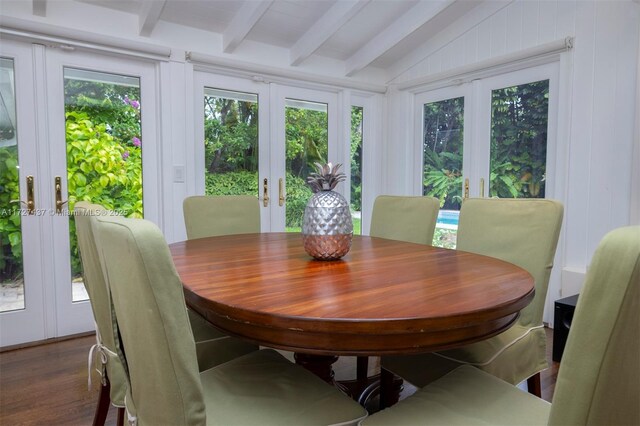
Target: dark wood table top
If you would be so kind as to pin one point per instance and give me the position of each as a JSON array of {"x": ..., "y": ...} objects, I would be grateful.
[{"x": 383, "y": 297}]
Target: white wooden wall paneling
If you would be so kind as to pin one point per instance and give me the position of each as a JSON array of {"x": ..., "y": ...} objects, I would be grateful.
[
  {"x": 514, "y": 27},
  {"x": 603, "y": 144},
  {"x": 624, "y": 118},
  {"x": 529, "y": 24},
  {"x": 498, "y": 33},
  {"x": 576, "y": 228}
]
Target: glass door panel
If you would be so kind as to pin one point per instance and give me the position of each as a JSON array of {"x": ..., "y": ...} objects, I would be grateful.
[
  {"x": 307, "y": 143},
  {"x": 231, "y": 148},
  {"x": 442, "y": 150},
  {"x": 11, "y": 265},
  {"x": 518, "y": 158},
  {"x": 22, "y": 258},
  {"x": 356, "y": 168},
  {"x": 104, "y": 149}
]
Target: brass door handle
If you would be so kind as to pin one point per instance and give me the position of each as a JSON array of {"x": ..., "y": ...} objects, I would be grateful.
[
  {"x": 59, "y": 202},
  {"x": 265, "y": 193},
  {"x": 482, "y": 187},
  {"x": 281, "y": 190},
  {"x": 30, "y": 204},
  {"x": 466, "y": 188}
]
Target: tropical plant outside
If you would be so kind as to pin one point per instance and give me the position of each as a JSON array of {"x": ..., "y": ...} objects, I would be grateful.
[
  {"x": 103, "y": 144},
  {"x": 356, "y": 167},
  {"x": 104, "y": 150},
  {"x": 519, "y": 117}
]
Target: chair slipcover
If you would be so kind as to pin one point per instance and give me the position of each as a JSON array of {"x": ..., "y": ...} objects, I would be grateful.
[
  {"x": 107, "y": 346},
  {"x": 520, "y": 231},
  {"x": 164, "y": 384},
  {"x": 411, "y": 219},
  {"x": 208, "y": 216},
  {"x": 599, "y": 378},
  {"x": 212, "y": 346}
]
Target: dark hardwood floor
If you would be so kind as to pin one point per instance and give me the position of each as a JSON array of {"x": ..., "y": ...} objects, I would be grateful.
[{"x": 47, "y": 384}]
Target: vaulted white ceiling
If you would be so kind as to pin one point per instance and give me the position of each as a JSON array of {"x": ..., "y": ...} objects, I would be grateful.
[{"x": 360, "y": 33}]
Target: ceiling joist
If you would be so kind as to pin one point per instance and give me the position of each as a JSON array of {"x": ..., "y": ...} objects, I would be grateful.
[
  {"x": 338, "y": 15},
  {"x": 40, "y": 7},
  {"x": 150, "y": 12},
  {"x": 410, "y": 21},
  {"x": 249, "y": 14}
]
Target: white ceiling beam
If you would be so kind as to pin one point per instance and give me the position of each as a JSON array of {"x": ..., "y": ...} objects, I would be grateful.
[
  {"x": 149, "y": 16},
  {"x": 245, "y": 19},
  {"x": 338, "y": 15},
  {"x": 39, "y": 7},
  {"x": 399, "y": 29}
]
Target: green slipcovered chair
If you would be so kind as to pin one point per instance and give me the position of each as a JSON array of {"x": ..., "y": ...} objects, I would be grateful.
[
  {"x": 599, "y": 378},
  {"x": 107, "y": 347},
  {"x": 411, "y": 219},
  {"x": 520, "y": 231},
  {"x": 209, "y": 216},
  {"x": 212, "y": 346},
  {"x": 165, "y": 387}
]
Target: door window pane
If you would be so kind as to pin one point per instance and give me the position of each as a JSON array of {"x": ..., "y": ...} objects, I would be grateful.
[
  {"x": 307, "y": 143},
  {"x": 356, "y": 168},
  {"x": 230, "y": 142},
  {"x": 443, "y": 130},
  {"x": 11, "y": 276},
  {"x": 104, "y": 149},
  {"x": 519, "y": 117}
]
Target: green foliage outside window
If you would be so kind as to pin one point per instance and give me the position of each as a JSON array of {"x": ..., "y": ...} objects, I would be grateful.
[
  {"x": 10, "y": 234},
  {"x": 104, "y": 165},
  {"x": 356, "y": 158},
  {"x": 442, "y": 151},
  {"x": 104, "y": 150},
  {"x": 231, "y": 150},
  {"x": 519, "y": 117}
]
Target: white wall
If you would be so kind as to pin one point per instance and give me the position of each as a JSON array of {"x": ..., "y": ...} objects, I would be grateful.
[{"x": 597, "y": 109}]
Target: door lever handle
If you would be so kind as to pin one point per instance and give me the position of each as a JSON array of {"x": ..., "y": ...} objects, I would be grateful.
[
  {"x": 58, "y": 188},
  {"x": 281, "y": 189},
  {"x": 265, "y": 193},
  {"x": 30, "y": 204}
]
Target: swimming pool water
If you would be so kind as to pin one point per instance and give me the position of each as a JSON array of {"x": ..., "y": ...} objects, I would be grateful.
[{"x": 448, "y": 217}]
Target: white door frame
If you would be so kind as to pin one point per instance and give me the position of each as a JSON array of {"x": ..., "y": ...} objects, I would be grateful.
[
  {"x": 50, "y": 311},
  {"x": 205, "y": 79},
  {"x": 76, "y": 317},
  {"x": 485, "y": 86},
  {"x": 371, "y": 167},
  {"x": 279, "y": 93},
  {"x": 468, "y": 145},
  {"x": 27, "y": 324}
]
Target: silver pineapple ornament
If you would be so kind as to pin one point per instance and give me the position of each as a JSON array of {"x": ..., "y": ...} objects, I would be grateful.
[{"x": 327, "y": 229}]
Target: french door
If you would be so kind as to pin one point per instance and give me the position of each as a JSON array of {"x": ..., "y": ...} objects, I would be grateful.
[
  {"x": 262, "y": 139},
  {"x": 84, "y": 131},
  {"x": 491, "y": 137}
]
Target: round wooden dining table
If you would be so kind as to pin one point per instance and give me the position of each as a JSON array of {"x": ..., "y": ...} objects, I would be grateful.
[{"x": 383, "y": 297}]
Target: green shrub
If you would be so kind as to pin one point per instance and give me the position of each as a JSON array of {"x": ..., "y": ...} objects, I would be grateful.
[
  {"x": 246, "y": 183},
  {"x": 10, "y": 235},
  {"x": 231, "y": 183},
  {"x": 298, "y": 194},
  {"x": 102, "y": 170}
]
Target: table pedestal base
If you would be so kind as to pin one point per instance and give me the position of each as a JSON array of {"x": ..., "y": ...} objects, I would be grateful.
[
  {"x": 322, "y": 366},
  {"x": 363, "y": 389}
]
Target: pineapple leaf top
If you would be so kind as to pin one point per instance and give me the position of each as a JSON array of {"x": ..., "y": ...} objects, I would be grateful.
[{"x": 326, "y": 178}]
